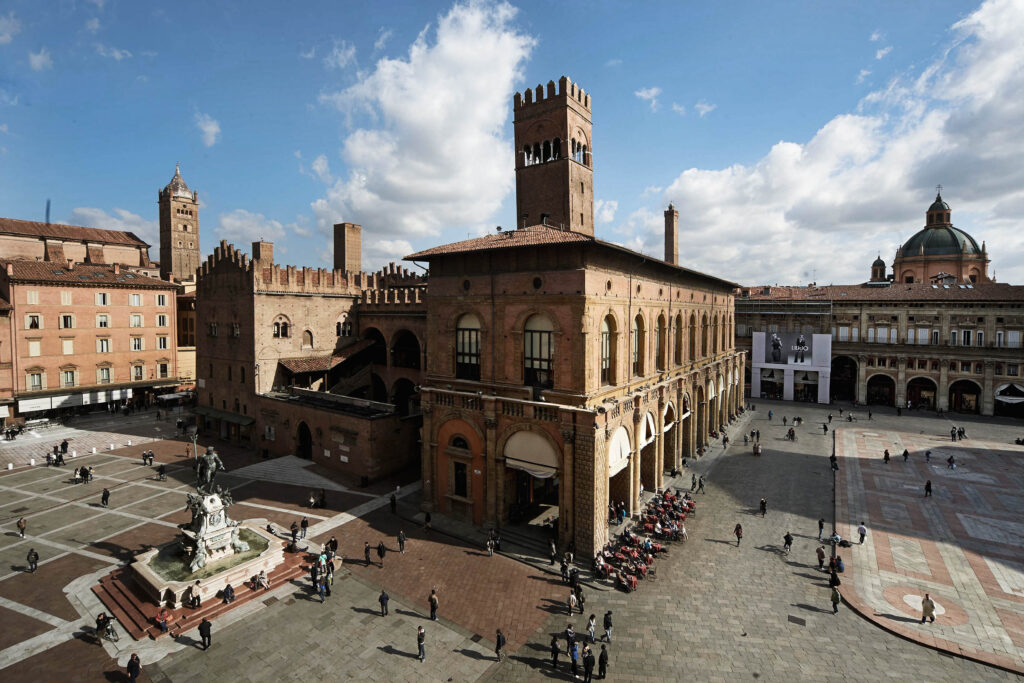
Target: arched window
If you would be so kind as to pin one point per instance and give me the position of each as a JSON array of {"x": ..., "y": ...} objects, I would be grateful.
[
  {"x": 608, "y": 350},
  {"x": 460, "y": 442},
  {"x": 585, "y": 160},
  {"x": 714, "y": 335},
  {"x": 536, "y": 159},
  {"x": 547, "y": 150},
  {"x": 307, "y": 339},
  {"x": 337, "y": 329},
  {"x": 661, "y": 344},
  {"x": 704, "y": 335},
  {"x": 693, "y": 337},
  {"x": 556, "y": 149},
  {"x": 526, "y": 155},
  {"x": 679, "y": 340},
  {"x": 538, "y": 352},
  {"x": 281, "y": 327},
  {"x": 467, "y": 347},
  {"x": 639, "y": 345}
]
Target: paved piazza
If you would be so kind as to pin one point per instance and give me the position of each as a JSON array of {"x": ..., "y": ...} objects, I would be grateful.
[
  {"x": 964, "y": 545},
  {"x": 716, "y": 612}
]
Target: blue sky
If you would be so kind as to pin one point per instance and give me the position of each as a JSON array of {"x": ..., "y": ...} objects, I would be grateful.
[{"x": 798, "y": 139}]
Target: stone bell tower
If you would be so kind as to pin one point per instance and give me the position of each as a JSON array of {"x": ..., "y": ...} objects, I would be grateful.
[
  {"x": 554, "y": 157},
  {"x": 179, "y": 229}
]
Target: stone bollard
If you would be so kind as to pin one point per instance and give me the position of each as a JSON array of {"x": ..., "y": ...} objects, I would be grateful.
[
  {"x": 111, "y": 446},
  {"x": 74, "y": 454},
  {"x": 10, "y": 465},
  {"x": 93, "y": 449},
  {"x": 32, "y": 462},
  {"x": 129, "y": 442}
]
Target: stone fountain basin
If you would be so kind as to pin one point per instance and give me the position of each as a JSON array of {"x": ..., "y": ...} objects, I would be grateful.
[{"x": 166, "y": 589}]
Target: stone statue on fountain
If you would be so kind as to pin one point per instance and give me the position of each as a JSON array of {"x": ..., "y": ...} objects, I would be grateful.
[{"x": 211, "y": 535}]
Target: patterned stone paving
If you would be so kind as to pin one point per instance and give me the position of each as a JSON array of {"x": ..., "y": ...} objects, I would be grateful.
[{"x": 964, "y": 545}]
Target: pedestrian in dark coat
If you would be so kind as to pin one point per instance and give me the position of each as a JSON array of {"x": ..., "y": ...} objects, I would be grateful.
[
  {"x": 739, "y": 534},
  {"x": 608, "y": 626},
  {"x": 421, "y": 643},
  {"x": 555, "y": 651},
  {"x": 304, "y": 526},
  {"x": 928, "y": 489},
  {"x": 383, "y": 600},
  {"x": 401, "y": 541},
  {"x": 394, "y": 504},
  {"x": 134, "y": 668},
  {"x": 552, "y": 552},
  {"x": 366, "y": 552},
  {"x": 381, "y": 552},
  {"x": 205, "y": 633},
  {"x": 295, "y": 532},
  {"x": 105, "y": 497},
  {"x": 821, "y": 527},
  {"x": 588, "y": 664},
  {"x": 602, "y": 662},
  {"x": 33, "y": 559},
  {"x": 434, "y": 602},
  {"x": 565, "y": 571},
  {"x": 499, "y": 645}
]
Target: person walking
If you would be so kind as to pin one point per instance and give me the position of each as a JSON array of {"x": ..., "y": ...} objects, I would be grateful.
[
  {"x": 836, "y": 599},
  {"x": 821, "y": 527},
  {"x": 693, "y": 482},
  {"x": 830, "y": 418},
  {"x": 381, "y": 552},
  {"x": 927, "y": 490},
  {"x": 906, "y": 455},
  {"x": 105, "y": 497},
  {"x": 426, "y": 522},
  {"x": 33, "y": 560},
  {"x": 821, "y": 557},
  {"x": 571, "y": 602},
  {"x": 205, "y": 633},
  {"x": 869, "y": 416},
  {"x": 588, "y": 664},
  {"x": 490, "y": 547},
  {"x": 565, "y": 570},
  {"x": 824, "y": 428},
  {"x": 295, "y": 533},
  {"x": 401, "y": 541},
  {"x": 787, "y": 542},
  {"x": 602, "y": 662},
  {"x": 321, "y": 589},
  {"x": 863, "y": 531},
  {"x": 770, "y": 413},
  {"x": 764, "y": 506},
  {"x": 739, "y": 534},
  {"x": 394, "y": 504},
  {"x": 581, "y": 599},
  {"x": 608, "y": 626},
  {"x": 700, "y": 485},
  {"x": 22, "y": 525},
  {"x": 383, "y": 600},
  {"x": 927, "y": 609},
  {"x": 591, "y": 625},
  {"x": 574, "y": 658},
  {"x": 499, "y": 645},
  {"x": 927, "y": 456},
  {"x": 421, "y": 643},
  {"x": 134, "y": 668},
  {"x": 304, "y": 526},
  {"x": 552, "y": 552},
  {"x": 555, "y": 651},
  {"x": 366, "y": 552},
  {"x": 885, "y": 456},
  {"x": 434, "y": 602},
  {"x": 757, "y": 433}
]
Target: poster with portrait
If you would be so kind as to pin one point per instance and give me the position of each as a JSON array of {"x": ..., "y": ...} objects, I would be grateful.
[{"x": 788, "y": 348}]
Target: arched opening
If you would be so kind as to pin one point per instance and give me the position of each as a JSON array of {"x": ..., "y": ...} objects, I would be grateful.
[
  {"x": 586, "y": 156},
  {"x": 704, "y": 336},
  {"x": 692, "y": 336},
  {"x": 921, "y": 393},
  {"x": 639, "y": 346},
  {"x": 608, "y": 365},
  {"x": 1009, "y": 400},
  {"x": 714, "y": 399},
  {"x": 714, "y": 333},
  {"x": 307, "y": 339},
  {"x": 700, "y": 421},
  {"x": 686, "y": 421},
  {"x": 378, "y": 391},
  {"x": 881, "y": 391},
  {"x": 405, "y": 351},
  {"x": 648, "y": 452},
  {"x": 282, "y": 327},
  {"x": 678, "y": 341},
  {"x": 661, "y": 343},
  {"x": 404, "y": 397},
  {"x": 538, "y": 352},
  {"x": 379, "y": 350},
  {"x": 547, "y": 150},
  {"x": 965, "y": 397},
  {"x": 619, "y": 450},
  {"x": 533, "y": 471},
  {"x": 305, "y": 449},
  {"x": 467, "y": 347},
  {"x": 670, "y": 435},
  {"x": 843, "y": 380},
  {"x": 556, "y": 149},
  {"x": 537, "y": 158}
]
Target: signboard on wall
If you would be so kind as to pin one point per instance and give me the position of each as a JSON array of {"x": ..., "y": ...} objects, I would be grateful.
[{"x": 788, "y": 348}]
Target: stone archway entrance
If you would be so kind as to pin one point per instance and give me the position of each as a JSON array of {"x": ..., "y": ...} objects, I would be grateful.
[
  {"x": 649, "y": 453},
  {"x": 843, "y": 381},
  {"x": 618, "y": 467},
  {"x": 305, "y": 449},
  {"x": 532, "y": 472},
  {"x": 921, "y": 393},
  {"x": 670, "y": 434},
  {"x": 881, "y": 391},
  {"x": 965, "y": 397}
]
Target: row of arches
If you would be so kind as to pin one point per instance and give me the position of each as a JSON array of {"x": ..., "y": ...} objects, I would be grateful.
[
  {"x": 404, "y": 350},
  {"x": 921, "y": 391},
  {"x": 551, "y": 150}
]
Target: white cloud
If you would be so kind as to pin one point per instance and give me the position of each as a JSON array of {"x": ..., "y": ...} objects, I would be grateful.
[
  {"x": 703, "y": 108},
  {"x": 9, "y": 27},
  {"x": 112, "y": 52},
  {"x": 309, "y": 54},
  {"x": 879, "y": 54},
  {"x": 99, "y": 4},
  {"x": 438, "y": 117},
  {"x": 613, "y": 62},
  {"x": 7, "y": 99},
  {"x": 604, "y": 210},
  {"x": 147, "y": 230},
  {"x": 298, "y": 154},
  {"x": 383, "y": 36},
  {"x": 679, "y": 109},
  {"x": 322, "y": 169},
  {"x": 209, "y": 127},
  {"x": 864, "y": 73},
  {"x": 242, "y": 227},
  {"x": 40, "y": 61},
  {"x": 652, "y": 190},
  {"x": 93, "y": 25},
  {"x": 861, "y": 184},
  {"x": 3, "y": 128},
  {"x": 650, "y": 95},
  {"x": 876, "y": 36},
  {"x": 341, "y": 56}
]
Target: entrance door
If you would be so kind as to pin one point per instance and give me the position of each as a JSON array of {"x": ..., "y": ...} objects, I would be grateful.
[{"x": 305, "y": 442}]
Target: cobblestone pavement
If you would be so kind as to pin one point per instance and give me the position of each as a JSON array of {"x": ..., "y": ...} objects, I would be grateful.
[{"x": 962, "y": 545}]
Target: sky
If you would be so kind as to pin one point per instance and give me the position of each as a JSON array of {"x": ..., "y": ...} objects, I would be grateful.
[{"x": 798, "y": 140}]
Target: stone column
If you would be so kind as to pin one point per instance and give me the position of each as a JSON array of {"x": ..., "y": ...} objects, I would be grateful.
[
  {"x": 901, "y": 382},
  {"x": 491, "y": 465},
  {"x": 428, "y": 448},
  {"x": 590, "y": 469},
  {"x": 942, "y": 400},
  {"x": 634, "y": 461},
  {"x": 573, "y": 493},
  {"x": 862, "y": 379},
  {"x": 988, "y": 389}
]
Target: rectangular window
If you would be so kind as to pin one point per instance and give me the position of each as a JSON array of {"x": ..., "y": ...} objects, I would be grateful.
[
  {"x": 538, "y": 370},
  {"x": 103, "y": 375},
  {"x": 855, "y": 334},
  {"x": 34, "y": 381},
  {"x": 922, "y": 365},
  {"x": 135, "y": 320},
  {"x": 999, "y": 338},
  {"x": 161, "y": 321},
  {"x": 1013, "y": 339},
  {"x": 606, "y": 356},
  {"x": 844, "y": 334},
  {"x": 871, "y": 335},
  {"x": 1011, "y": 370},
  {"x": 967, "y": 337},
  {"x": 161, "y": 299},
  {"x": 137, "y": 373},
  {"x": 953, "y": 337},
  {"x": 102, "y": 299},
  {"x": 35, "y": 347},
  {"x": 136, "y": 299},
  {"x": 965, "y": 367},
  {"x": 979, "y": 337},
  {"x": 935, "y": 336},
  {"x": 68, "y": 377},
  {"x": 137, "y": 344},
  {"x": 236, "y": 330},
  {"x": 467, "y": 354},
  {"x": 161, "y": 342},
  {"x": 66, "y": 321},
  {"x": 213, "y": 329},
  {"x": 32, "y": 296},
  {"x": 883, "y": 335},
  {"x": 33, "y": 322},
  {"x": 979, "y": 368},
  {"x": 163, "y": 370},
  {"x": 461, "y": 480},
  {"x": 67, "y": 347},
  {"x": 65, "y": 298},
  {"x": 911, "y": 335},
  {"x": 922, "y": 335},
  {"x": 102, "y": 346},
  {"x": 103, "y": 320}
]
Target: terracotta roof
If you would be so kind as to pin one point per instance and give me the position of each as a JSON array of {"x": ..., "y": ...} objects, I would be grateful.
[
  {"x": 526, "y": 237},
  {"x": 4, "y": 304},
  {"x": 13, "y": 226},
  {"x": 326, "y": 362},
  {"x": 81, "y": 274},
  {"x": 918, "y": 291}
]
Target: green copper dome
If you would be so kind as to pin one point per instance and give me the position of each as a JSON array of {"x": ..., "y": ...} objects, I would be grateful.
[
  {"x": 940, "y": 240},
  {"x": 938, "y": 204}
]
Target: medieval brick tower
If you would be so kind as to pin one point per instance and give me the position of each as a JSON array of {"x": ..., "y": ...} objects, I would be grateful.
[
  {"x": 554, "y": 155},
  {"x": 179, "y": 229}
]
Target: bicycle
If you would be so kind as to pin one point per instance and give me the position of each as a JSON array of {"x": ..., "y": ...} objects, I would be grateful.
[{"x": 108, "y": 633}]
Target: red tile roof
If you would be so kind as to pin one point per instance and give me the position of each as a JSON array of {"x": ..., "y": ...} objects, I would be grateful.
[
  {"x": 918, "y": 291},
  {"x": 525, "y": 237},
  {"x": 326, "y": 362},
  {"x": 4, "y": 304},
  {"x": 81, "y": 274},
  {"x": 13, "y": 226}
]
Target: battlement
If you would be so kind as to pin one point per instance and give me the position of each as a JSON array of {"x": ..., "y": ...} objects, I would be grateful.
[
  {"x": 567, "y": 90},
  {"x": 393, "y": 275},
  {"x": 393, "y": 296}
]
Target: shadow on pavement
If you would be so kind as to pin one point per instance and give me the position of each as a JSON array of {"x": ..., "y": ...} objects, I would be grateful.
[
  {"x": 365, "y": 610},
  {"x": 407, "y": 613},
  {"x": 898, "y": 617},
  {"x": 472, "y": 654},
  {"x": 390, "y": 650},
  {"x": 718, "y": 540},
  {"x": 811, "y": 608}
]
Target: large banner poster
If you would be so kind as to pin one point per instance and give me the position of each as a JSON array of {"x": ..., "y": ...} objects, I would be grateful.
[{"x": 788, "y": 348}]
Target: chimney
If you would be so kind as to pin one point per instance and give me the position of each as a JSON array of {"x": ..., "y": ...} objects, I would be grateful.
[
  {"x": 117, "y": 269},
  {"x": 672, "y": 235},
  {"x": 71, "y": 264},
  {"x": 348, "y": 247},
  {"x": 263, "y": 252}
]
